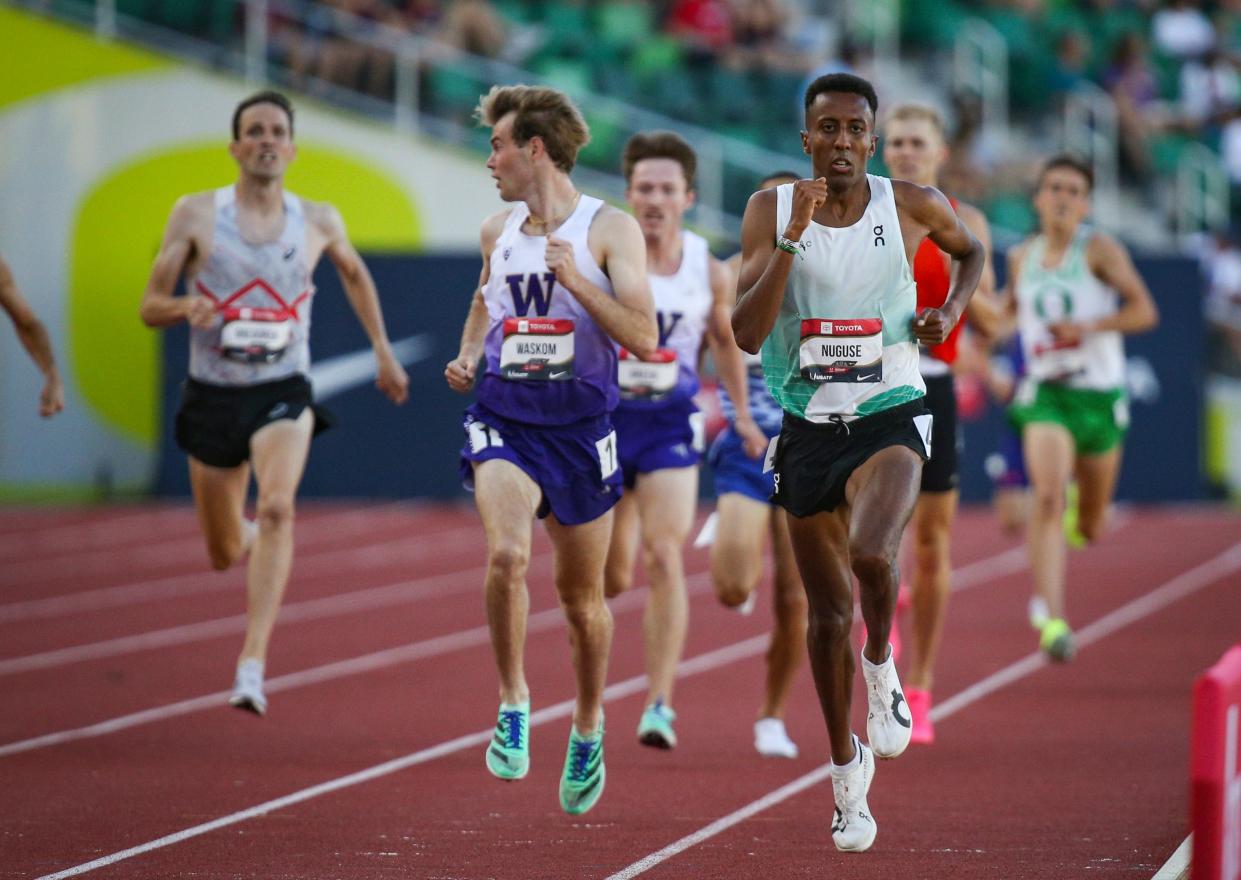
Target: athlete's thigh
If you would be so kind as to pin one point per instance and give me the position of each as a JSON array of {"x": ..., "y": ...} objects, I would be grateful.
[
  {"x": 1096, "y": 480},
  {"x": 278, "y": 452},
  {"x": 1048, "y": 450},
  {"x": 934, "y": 512},
  {"x": 881, "y": 495},
  {"x": 742, "y": 520},
  {"x": 219, "y": 498},
  {"x": 667, "y": 499},
  {"x": 507, "y": 499},
  {"x": 821, "y": 547},
  {"x": 580, "y": 552}
]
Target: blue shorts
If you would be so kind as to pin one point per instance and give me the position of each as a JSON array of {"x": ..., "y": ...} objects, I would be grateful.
[
  {"x": 1010, "y": 470},
  {"x": 654, "y": 438},
  {"x": 737, "y": 472},
  {"x": 574, "y": 465}
]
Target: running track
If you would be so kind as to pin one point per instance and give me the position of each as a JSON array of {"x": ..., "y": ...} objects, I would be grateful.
[{"x": 119, "y": 758}]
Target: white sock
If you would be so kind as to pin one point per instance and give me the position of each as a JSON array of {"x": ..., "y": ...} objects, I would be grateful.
[
  {"x": 839, "y": 770},
  {"x": 873, "y": 668}
]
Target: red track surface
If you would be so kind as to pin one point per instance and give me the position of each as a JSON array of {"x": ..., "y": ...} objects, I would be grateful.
[{"x": 1063, "y": 772}]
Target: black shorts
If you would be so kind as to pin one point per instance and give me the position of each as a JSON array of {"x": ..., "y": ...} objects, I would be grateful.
[
  {"x": 940, "y": 473},
  {"x": 215, "y": 422},
  {"x": 814, "y": 461}
]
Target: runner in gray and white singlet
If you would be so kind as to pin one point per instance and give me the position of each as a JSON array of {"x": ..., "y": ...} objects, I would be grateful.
[{"x": 248, "y": 251}]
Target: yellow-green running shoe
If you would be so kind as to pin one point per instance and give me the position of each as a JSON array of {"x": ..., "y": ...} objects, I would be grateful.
[
  {"x": 655, "y": 726},
  {"x": 508, "y": 753},
  {"x": 1057, "y": 641},
  {"x": 584, "y": 773}
]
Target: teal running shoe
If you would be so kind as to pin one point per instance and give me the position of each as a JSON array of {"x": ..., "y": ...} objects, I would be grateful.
[
  {"x": 584, "y": 773},
  {"x": 508, "y": 753},
  {"x": 655, "y": 728}
]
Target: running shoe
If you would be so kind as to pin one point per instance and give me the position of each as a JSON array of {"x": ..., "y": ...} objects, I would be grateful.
[
  {"x": 1072, "y": 532},
  {"x": 887, "y": 723},
  {"x": 248, "y": 687},
  {"x": 923, "y": 729},
  {"x": 508, "y": 753},
  {"x": 772, "y": 740},
  {"x": 853, "y": 827},
  {"x": 655, "y": 728},
  {"x": 584, "y": 773},
  {"x": 706, "y": 536},
  {"x": 1056, "y": 640}
]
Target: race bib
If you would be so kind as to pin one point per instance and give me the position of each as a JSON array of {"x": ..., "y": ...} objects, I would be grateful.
[
  {"x": 537, "y": 348},
  {"x": 256, "y": 336},
  {"x": 647, "y": 380},
  {"x": 842, "y": 351},
  {"x": 1057, "y": 363}
]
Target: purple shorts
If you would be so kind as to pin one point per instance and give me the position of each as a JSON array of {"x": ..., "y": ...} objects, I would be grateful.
[
  {"x": 574, "y": 465},
  {"x": 653, "y": 438}
]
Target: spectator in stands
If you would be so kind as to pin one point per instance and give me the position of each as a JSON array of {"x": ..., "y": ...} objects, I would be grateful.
[
  {"x": 1210, "y": 90},
  {"x": 1069, "y": 69},
  {"x": 1130, "y": 81},
  {"x": 1182, "y": 30},
  {"x": 706, "y": 26}
]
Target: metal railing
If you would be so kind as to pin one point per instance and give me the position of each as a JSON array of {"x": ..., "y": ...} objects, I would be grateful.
[
  {"x": 980, "y": 68},
  {"x": 1090, "y": 131},
  {"x": 1202, "y": 192},
  {"x": 727, "y": 167}
]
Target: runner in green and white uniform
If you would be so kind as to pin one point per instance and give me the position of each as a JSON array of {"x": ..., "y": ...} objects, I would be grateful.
[
  {"x": 827, "y": 292},
  {"x": 1075, "y": 293}
]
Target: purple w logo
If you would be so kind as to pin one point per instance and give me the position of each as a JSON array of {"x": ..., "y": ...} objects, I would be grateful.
[
  {"x": 533, "y": 292},
  {"x": 667, "y": 323}
]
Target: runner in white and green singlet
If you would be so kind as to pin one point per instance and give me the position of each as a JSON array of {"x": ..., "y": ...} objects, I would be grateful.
[
  {"x": 1075, "y": 292},
  {"x": 826, "y": 290}
]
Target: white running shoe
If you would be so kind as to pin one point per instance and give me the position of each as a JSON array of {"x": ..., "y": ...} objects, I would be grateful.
[
  {"x": 706, "y": 536},
  {"x": 772, "y": 740},
  {"x": 853, "y": 827},
  {"x": 248, "y": 687},
  {"x": 888, "y": 725},
  {"x": 746, "y": 608}
]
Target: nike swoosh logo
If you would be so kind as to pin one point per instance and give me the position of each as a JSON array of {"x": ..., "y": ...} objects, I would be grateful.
[
  {"x": 557, "y": 374},
  {"x": 344, "y": 372}
]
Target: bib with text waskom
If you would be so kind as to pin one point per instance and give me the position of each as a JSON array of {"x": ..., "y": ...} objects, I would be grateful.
[
  {"x": 256, "y": 335},
  {"x": 647, "y": 380},
  {"x": 537, "y": 348},
  {"x": 842, "y": 351},
  {"x": 1056, "y": 362}
]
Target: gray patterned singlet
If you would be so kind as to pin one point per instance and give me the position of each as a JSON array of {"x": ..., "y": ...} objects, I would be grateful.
[{"x": 262, "y": 294}]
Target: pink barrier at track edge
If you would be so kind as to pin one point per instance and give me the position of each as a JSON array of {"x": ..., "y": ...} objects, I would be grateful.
[{"x": 1215, "y": 777}]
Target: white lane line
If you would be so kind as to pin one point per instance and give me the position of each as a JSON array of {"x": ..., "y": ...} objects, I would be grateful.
[
  {"x": 1195, "y": 579},
  {"x": 387, "y": 657},
  {"x": 416, "y": 589},
  {"x": 1178, "y": 864},
  {"x": 157, "y": 550},
  {"x": 982, "y": 571},
  {"x": 702, "y": 663},
  {"x": 344, "y": 560}
]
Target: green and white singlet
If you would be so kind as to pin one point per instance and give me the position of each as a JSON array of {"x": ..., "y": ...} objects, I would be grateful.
[
  {"x": 1067, "y": 292},
  {"x": 843, "y": 345}
]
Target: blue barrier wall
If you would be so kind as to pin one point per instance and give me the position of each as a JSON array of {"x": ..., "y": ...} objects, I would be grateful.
[{"x": 384, "y": 451}]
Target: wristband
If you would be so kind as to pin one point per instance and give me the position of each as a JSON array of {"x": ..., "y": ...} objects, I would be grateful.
[{"x": 787, "y": 245}]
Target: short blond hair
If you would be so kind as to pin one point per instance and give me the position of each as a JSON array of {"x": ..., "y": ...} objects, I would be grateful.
[
  {"x": 917, "y": 113},
  {"x": 540, "y": 111}
]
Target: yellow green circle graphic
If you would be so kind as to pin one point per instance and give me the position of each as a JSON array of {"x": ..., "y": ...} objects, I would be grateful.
[{"x": 115, "y": 358}]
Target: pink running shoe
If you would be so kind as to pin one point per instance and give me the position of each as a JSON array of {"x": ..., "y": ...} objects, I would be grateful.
[{"x": 920, "y": 714}]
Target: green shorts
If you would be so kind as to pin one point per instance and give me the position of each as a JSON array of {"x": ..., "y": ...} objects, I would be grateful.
[{"x": 1097, "y": 420}]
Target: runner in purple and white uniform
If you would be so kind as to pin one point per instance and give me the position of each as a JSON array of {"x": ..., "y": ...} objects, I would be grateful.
[
  {"x": 563, "y": 282},
  {"x": 658, "y": 425}
]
